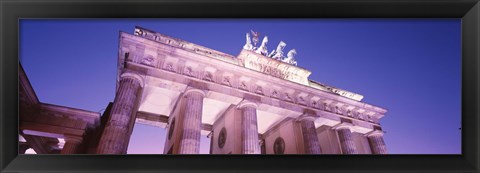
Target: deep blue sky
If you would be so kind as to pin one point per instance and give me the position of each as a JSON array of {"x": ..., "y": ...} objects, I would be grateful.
[{"x": 410, "y": 67}]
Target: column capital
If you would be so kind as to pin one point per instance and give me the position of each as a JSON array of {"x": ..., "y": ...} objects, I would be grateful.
[
  {"x": 343, "y": 126},
  {"x": 375, "y": 133},
  {"x": 135, "y": 76},
  {"x": 309, "y": 117},
  {"x": 194, "y": 90},
  {"x": 247, "y": 103}
]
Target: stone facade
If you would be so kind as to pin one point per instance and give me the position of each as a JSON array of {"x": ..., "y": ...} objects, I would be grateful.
[{"x": 246, "y": 104}]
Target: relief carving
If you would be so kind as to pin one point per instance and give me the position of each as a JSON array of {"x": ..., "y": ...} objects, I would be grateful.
[
  {"x": 188, "y": 71},
  {"x": 149, "y": 60},
  {"x": 361, "y": 116},
  {"x": 226, "y": 81},
  {"x": 259, "y": 90},
  {"x": 208, "y": 76},
  {"x": 325, "y": 107},
  {"x": 314, "y": 103},
  {"x": 243, "y": 86},
  {"x": 356, "y": 115},
  {"x": 338, "y": 110},
  {"x": 287, "y": 97},
  {"x": 275, "y": 94},
  {"x": 301, "y": 100},
  {"x": 169, "y": 67}
]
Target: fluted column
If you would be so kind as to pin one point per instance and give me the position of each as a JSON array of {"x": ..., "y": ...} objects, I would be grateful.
[
  {"x": 310, "y": 138},
  {"x": 250, "y": 143},
  {"x": 114, "y": 137},
  {"x": 346, "y": 140},
  {"x": 375, "y": 139},
  {"x": 192, "y": 122},
  {"x": 72, "y": 145}
]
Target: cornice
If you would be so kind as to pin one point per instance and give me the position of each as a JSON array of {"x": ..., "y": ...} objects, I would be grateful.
[{"x": 135, "y": 76}]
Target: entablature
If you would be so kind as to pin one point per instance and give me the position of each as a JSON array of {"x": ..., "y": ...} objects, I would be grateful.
[
  {"x": 92, "y": 119},
  {"x": 158, "y": 56},
  {"x": 266, "y": 102}
]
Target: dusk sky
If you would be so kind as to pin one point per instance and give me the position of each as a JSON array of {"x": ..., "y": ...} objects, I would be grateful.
[{"x": 411, "y": 67}]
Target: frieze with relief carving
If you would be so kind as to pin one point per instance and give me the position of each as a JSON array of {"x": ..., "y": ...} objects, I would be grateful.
[{"x": 226, "y": 81}]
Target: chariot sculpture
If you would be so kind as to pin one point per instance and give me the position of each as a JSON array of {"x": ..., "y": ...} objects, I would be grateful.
[{"x": 276, "y": 54}]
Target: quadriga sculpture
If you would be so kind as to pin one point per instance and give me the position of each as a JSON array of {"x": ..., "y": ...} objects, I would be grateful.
[
  {"x": 290, "y": 57},
  {"x": 263, "y": 47},
  {"x": 278, "y": 53},
  {"x": 248, "y": 45}
]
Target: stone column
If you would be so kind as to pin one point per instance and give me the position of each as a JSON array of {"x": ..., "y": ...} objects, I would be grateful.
[
  {"x": 346, "y": 140},
  {"x": 114, "y": 137},
  {"x": 375, "y": 139},
  {"x": 250, "y": 143},
  {"x": 310, "y": 138},
  {"x": 192, "y": 122},
  {"x": 72, "y": 145}
]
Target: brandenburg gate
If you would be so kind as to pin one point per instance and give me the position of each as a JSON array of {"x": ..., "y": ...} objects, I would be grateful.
[{"x": 254, "y": 103}]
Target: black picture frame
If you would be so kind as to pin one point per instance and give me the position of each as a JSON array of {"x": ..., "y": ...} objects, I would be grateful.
[{"x": 12, "y": 11}]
